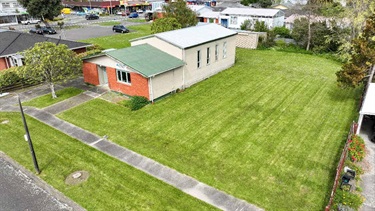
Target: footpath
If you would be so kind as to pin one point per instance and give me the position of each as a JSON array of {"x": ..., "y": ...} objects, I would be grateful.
[{"x": 170, "y": 176}]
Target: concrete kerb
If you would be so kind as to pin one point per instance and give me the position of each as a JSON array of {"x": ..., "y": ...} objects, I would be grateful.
[{"x": 55, "y": 193}]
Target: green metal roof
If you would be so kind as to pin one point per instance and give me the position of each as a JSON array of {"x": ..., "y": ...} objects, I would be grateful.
[{"x": 146, "y": 60}]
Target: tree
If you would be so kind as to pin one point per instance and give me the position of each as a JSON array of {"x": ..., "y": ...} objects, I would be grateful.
[
  {"x": 165, "y": 24},
  {"x": 51, "y": 63},
  {"x": 46, "y": 9},
  {"x": 265, "y": 3},
  {"x": 363, "y": 57},
  {"x": 178, "y": 10}
]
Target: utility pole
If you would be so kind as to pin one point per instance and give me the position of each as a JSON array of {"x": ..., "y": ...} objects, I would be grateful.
[
  {"x": 110, "y": 4},
  {"x": 27, "y": 136}
]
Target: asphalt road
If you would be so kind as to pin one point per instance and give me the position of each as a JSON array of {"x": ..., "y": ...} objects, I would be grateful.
[
  {"x": 20, "y": 190},
  {"x": 78, "y": 28}
]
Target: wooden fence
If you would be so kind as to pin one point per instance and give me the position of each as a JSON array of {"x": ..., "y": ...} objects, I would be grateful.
[{"x": 353, "y": 128}]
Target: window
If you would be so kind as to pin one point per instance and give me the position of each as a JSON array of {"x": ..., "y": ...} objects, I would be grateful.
[
  {"x": 224, "y": 50},
  {"x": 198, "y": 59},
  {"x": 233, "y": 20},
  {"x": 208, "y": 56},
  {"x": 123, "y": 76},
  {"x": 6, "y": 5},
  {"x": 216, "y": 52},
  {"x": 211, "y": 20}
]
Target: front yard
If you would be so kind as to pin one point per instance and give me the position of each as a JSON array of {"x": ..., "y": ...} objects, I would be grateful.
[
  {"x": 112, "y": 185},
  {"x": 269, "y": 130}
]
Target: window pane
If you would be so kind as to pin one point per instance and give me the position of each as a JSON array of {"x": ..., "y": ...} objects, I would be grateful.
[
  {"x": 123, "y": 76},
  {"x": 208, "y": 55},
  {"x": 128, "y": 76},
  {"x": 198, "y": 59},
  {"x": 118, "y": 75}
]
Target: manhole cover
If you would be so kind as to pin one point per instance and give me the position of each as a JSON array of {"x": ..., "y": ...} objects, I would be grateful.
[
  {"x": 77, "y": 177},
  {"x": 6, "y": 121}
]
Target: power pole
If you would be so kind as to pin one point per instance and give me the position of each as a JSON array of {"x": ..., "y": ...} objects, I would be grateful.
[{"x": 28, "y": 138}]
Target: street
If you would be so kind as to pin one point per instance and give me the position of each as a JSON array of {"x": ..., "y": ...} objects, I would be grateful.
[{"x": 20, "y": 190}]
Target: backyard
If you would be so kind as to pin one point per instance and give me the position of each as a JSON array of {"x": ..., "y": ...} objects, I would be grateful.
[{"x": 268, "y": 130}]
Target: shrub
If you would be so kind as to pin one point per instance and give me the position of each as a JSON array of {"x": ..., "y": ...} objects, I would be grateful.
[
  {"x": 356, "y": 149},
  {"x": 353, "y": 200},
  {"x": 282, "y": 32},
  {"x": 246, "y": 25},
  {"x": 9, "y": 77},
  {"x": 137, "y": 102}
]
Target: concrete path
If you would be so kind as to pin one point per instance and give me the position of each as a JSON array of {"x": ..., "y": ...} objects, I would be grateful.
[
  {"x": 21, "y": 190},
  {"x": 71, "y": 102},
  {"x": 170, "y": 176}
]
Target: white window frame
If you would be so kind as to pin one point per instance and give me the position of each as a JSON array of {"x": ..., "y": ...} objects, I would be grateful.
[
  {"x": 199, "y": 58},
  {"x": 233, "y": 20},
  {"x": 224, "y": 50},
  {"x": 119, "y": 73}
]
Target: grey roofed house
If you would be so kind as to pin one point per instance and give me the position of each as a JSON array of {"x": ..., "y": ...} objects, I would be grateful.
[
  {"x": 13, "y": 42},
  {"x": 193, "y": 36}
]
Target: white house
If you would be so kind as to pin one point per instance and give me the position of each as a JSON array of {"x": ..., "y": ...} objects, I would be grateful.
[
  {"x": 162, "y": 63},
  {"x": 233, "y": 17}
]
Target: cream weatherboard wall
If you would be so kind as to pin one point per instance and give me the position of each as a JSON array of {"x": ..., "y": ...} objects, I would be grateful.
[
  {"x": 165, "y": 83},
  {"x": 160, "y": 44},
  {"x": 194, "y": 74}
]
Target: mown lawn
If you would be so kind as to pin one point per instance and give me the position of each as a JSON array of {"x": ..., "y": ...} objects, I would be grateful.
[
  {"x": 47, "y": 100},
  {"x": 121, "y": 40},
  {"x": 268, "y": 130},
  {"x": 112, "y": 185}
]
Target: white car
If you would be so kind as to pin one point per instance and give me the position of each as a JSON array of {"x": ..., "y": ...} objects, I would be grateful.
[{"x": 30, "y": 21}]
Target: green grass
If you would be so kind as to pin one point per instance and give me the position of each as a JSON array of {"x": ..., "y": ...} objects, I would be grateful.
[
  {"x": 112, "y": 185},
  {"x": 47, "y": 100},
  {"x": 110, "y": 23},
  {"x": 121, "y": 40},
  {"x": 136, "y": 20},
  {"x": 268, "y": 130}
]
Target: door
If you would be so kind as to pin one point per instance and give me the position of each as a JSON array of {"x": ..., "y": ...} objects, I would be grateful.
[
  {"x": 224, "y": 22},
  {"x": 103, "y": 78}
]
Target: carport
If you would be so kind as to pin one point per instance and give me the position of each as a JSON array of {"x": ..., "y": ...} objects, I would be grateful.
[{"x": 368, "y": 105}]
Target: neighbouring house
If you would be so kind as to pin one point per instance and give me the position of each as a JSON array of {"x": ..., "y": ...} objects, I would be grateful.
[
  {"x": 162, "y": 63},
  {"x": 12, "y": 42},
  {"x": 209, "y": 17},
  {"x": 233, "y": 17},
  {"x": 199, "y": 10}
]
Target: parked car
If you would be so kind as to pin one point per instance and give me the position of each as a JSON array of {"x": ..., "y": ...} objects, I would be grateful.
[
  {"x": 92, "y": 16},
  {"x": 123, "y": 13},
  {"x": 36, "y": 31},
  {"x": 120, "y": 28},
  {"x": 30, "y": 21},
  {"x": 48, "y": 30},
  {"x": 133, "y": 15}
]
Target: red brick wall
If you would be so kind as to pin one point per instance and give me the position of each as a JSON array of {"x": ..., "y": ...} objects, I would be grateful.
[
  {"x": 90, "y": 73},
  {"x": 138, "y": 86},
  {"x": 3, "y": 64}
]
